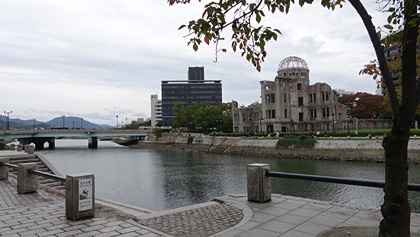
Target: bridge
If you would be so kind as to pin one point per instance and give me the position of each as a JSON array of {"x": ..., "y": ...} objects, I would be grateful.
[{"x": 40, "y": 137}]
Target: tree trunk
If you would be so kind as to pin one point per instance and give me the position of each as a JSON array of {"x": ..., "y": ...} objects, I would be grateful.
[{"x": 396, "y": 208}]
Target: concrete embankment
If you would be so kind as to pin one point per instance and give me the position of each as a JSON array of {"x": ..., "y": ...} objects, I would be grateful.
[{"x": 346, "y": 150}]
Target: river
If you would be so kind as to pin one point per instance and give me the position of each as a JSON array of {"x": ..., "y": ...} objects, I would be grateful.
[{"x": 159, "y": 180}]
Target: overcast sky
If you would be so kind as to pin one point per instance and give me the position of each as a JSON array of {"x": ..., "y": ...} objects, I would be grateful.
[{"x": 100, "y": 58}]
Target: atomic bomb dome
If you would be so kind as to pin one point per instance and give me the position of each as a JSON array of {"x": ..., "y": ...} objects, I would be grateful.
[{"x": 292, "y": 62}]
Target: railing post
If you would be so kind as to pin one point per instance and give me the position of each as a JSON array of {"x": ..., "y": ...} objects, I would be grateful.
[
  {"x": 80, "y": 196},
  {"x": 4, "y": 170},
  {"x": 258, "y": 184},
  {"x": 30, "y": 149},
  {"x": 26, "y": 182}
]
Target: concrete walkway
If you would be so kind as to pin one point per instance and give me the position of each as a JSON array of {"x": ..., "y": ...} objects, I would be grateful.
[{"x": 43, "y": 214}]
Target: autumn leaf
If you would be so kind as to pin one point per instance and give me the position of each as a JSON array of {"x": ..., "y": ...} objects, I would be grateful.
[{"x": 207, "y": 40}]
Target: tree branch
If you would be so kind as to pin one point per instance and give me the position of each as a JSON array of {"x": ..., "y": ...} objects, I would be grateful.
[{"x": 367, "y": 20}]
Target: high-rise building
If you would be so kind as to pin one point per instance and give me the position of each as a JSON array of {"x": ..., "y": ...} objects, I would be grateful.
[
  {"x": 156, "y": 110},
  {"x": 193, "y": 91}
]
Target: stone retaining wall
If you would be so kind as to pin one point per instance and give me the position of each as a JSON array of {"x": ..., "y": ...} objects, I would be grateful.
[{"x": 346, "y": 150}]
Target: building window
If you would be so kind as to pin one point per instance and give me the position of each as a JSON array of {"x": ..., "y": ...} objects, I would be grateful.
[
  {"x": 285, "y": 113},
  {"x": 313, "y": 113},
  {"x": 243, "y": 117},
  {"x": 301, "y": 117},
  {"x": 299, "y": 86},
  {"x": 325, "y": 112},
  {"x": 312, "y": 97},
  {"x": 268, "y": 113},
  {"x": 285, "y": 98},
  {"x": 324, "y": 95},
  {"x": 300, "y": 101},
  {"x": 273, "y": 100},
  {"x": 273, "y": 113}
]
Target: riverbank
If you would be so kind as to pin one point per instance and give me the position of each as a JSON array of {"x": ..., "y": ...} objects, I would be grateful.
[{"x": 369, "y": 150}]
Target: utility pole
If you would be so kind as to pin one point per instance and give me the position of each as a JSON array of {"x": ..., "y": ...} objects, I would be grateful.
[
  {"x": 7, "y": 119},
  {"x": 63, "y": 119}
]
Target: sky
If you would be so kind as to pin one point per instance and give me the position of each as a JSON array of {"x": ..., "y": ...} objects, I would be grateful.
[{"x": 96, "y": 59}]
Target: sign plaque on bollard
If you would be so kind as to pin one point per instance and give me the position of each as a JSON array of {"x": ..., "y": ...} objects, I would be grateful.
[{"x": 80, "y": 196}]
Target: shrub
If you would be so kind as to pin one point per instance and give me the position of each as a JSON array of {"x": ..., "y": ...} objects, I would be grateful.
[
  {"x": 301, "y": 141},
  {"x": 190, "y": 140},
  {"x": 3, "y": 146}
]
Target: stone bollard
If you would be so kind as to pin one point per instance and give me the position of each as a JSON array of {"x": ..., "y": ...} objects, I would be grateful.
[
  {"x": 12, "y": 147},
  {"x": 25, "y": 147},
  {"x": 80, "y": 196},
  {"x": 258, "y": 184},
  {"x": 19, "y": 147},
  {"x": 26, "y": 182},
  {"x": 4, "y": 170},
  {"x": 30, "y": 149}
]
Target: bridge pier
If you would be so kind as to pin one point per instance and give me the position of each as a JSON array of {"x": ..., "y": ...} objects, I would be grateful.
[
  {"x": 39, "y": 142},
  {"x": 93, "y": 142}
]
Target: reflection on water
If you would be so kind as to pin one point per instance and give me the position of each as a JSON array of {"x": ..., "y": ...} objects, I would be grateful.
[{"x": 164, "y": 180}]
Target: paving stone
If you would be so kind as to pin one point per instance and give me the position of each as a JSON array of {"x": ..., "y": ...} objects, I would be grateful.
[
  {"x": 311, "y": 228},
  {"x": 276, "y": 226}
]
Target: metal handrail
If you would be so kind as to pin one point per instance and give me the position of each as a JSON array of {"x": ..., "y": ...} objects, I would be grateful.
[
  {"x": 328, "y": 179},
  {"x": 8, "y": 165},
  {"x": 37, "y": 172},
  {"x": 48, "y": 175}
]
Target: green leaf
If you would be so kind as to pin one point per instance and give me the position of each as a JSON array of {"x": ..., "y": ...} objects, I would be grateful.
[
  {"x": 258, "y": 18},
  {"x": 195, "y": 47},
  {"x": 301, "y": 2},
  {"x": 389, "y": 27},
  {"x": 182, "y": 26}
]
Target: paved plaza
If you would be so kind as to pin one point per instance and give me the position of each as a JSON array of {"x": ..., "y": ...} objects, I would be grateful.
[{"x": 43, "y": 214}]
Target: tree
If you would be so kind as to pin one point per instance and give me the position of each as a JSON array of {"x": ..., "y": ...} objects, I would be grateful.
[
  {"x": 207, "y": 117},
  {"x": 386, "y": 103},
  {"x": 250, "y": 40},
  {"x": 227, "y": 121},
  {"x": 180, "y": 119},
  {"x": 364, "y": 105}
]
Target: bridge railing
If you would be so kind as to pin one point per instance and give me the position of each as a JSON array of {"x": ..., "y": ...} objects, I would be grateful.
[
  {"x": 80, "y": 188},
  {"x": 259, "y": 183}
]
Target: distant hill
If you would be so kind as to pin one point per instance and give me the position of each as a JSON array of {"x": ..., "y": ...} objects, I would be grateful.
[
  {"x": 75, "y": 122},
  {"x": 56, "y": 122}
]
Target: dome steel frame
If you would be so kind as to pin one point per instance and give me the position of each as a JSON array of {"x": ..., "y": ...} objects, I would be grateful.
[{"x": 292, "y": 62}]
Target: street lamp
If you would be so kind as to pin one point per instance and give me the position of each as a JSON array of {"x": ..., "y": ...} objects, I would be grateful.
[
  {"x": 7, "y": 119},
  {"x": 34, "y": 122},
  {"x": 332, "y": 115},
  {"x": 73, "y": 124},
  {"x": 63, "y": 119},
  {"x": 81, "y": 123},
  {"x": 117, "y": 120}
]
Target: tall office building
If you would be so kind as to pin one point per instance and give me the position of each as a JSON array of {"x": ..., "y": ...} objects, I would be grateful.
[
  {"x": 156, "y": 110},
  {"x": 193, "y": 91}
]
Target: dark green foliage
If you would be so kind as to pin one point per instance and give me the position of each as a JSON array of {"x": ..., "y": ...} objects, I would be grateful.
[
  {"x": 3, "y": 146},
  {"x": 302, "y": 141},
  {"x": 190, "y": 140},
  {"x": 158, "y": 132}
]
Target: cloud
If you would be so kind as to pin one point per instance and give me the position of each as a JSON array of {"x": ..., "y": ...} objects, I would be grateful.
[{"x": 99, "y": 58}]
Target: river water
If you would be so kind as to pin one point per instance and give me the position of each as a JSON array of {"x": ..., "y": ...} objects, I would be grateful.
[{"x": 158, "y": 180}]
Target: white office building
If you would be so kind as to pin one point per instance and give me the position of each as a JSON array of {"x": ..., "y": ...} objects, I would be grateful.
[{"x": 156, "y": 110}]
